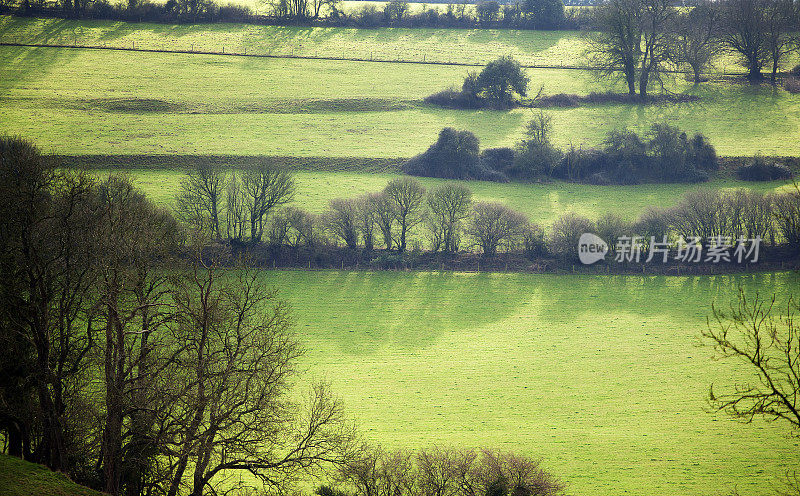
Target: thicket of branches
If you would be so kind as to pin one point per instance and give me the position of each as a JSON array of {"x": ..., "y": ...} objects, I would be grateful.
[{"x": 134, "y": 372}]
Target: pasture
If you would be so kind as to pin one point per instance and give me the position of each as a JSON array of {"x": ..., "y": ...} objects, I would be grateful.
[
  {"x": 78, "y": 101},
  {"x": 601, "y": 377}
]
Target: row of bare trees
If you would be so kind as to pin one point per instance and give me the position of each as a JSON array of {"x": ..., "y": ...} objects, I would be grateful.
[
  {"x": 703, "y": 214},
  {"x": 640, "y": 40},
  {"x": 404, "y": 210},
  {"x": 135, "y": 372},
  {"x": 404, "y": 213},
  {"x": 446, "y": 472},
  {"x": 245, "y": 207}
]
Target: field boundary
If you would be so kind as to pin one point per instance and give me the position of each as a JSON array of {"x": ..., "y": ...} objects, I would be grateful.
[
  {"x": 375, "y": 165},
  {"x": 384, "y": 60}
]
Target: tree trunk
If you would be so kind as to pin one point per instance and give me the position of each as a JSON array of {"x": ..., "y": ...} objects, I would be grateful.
[
  {"x": 114, "y": 368},
  {"x": 755, "y": 70},
  {"x": 774, "y": 75}
]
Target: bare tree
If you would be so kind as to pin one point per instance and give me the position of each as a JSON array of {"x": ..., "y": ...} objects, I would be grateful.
[
  {"x": 438, "y": 472},
  {"x": 237, "y": 414},
  {"x": 787, "y": 217},
  {"x": 565, "y": 233},
  {"x": 200, "y": 197},
  {"x": 385, "y": 217},
  {"x": 293, "y": 227},
  {"x": 408, "y": 196},
  {"x": 744, "y": 31},
  {"x": 46, "y": 281},
  {"x": 342, "y": 220},
  {"x": 380, "y": 473},
  {"x": 132, "y": 234},
  {"x": 447, "y": 472},
  {"x": 632, "y": 38},
  {"x": 492, "y": 224},
  {"x": 235, "y": 210},
  {"x": 701, "y": 214},
  {"x": 695, "y": 39},
  {"x": 366, "y": 219},
  {"x": 781, "y": 32},
  {"x": 265, "y": 187},
  {"x": 765, "y": 339},
  {"x": 449, "y": 206}
]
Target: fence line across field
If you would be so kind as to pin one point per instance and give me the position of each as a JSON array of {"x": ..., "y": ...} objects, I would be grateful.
[{"x": 292, "y": 52}]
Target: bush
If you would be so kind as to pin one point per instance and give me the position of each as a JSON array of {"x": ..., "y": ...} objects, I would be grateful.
[
  {"x": 501, "y": 80},
  {"x": 611, "y": 227},
  {"x": 453, "y": 156},
  {"x": 761, "y": 170},
  {"x": 792, "y": 85},
  {"x": 536, "y": 156},
  {"x": 565, "y": 233},
  {"x": 497, "y": 159},
  {"x": 451, "y": 98},
  {"x": 533, "y": 241}
]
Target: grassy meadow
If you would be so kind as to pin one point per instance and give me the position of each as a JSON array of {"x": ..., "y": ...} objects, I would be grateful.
[
  {"x": 470, "y": 46},
  {"x": 111, "y": 102},
  {"x": 601, "y": 377}
]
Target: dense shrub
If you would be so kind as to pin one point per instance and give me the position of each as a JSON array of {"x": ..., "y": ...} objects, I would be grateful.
[
  {"x": 497, "y": 159},
  {"x": 665, "y": 155},
  {"x": 452, "y": 98},
  {"x": 534, "y": 242},
  {"x": 761, "y": 170},
  {"x": 536, "y": 156},
  {"x": 792, "y": 85},
  {"x": 453, "y": 156}
]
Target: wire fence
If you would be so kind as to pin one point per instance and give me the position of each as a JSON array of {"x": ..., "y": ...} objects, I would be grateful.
[{"x": 311, "y": 51}]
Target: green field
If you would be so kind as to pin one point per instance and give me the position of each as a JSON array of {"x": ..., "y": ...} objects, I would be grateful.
[
  {"x": 76, "y": 101},
  {"x": 20, "y": 478},
  {"x": 473, "y": 46},
  {"x": 601, "y": 377},
  {"x": 542, "y": 203}
]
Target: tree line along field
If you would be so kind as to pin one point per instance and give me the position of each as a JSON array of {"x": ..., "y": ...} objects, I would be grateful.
[
  {"x": 542, "y": 203},
  {"x": 96, "y": 101},
  {"x": 601, "y": 377}
]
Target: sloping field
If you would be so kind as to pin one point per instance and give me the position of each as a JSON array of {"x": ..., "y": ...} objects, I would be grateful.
[
  {"x": 77, "y": 101},
  {"x": 475, "y": 46},
  {"x": 601, "y": 377}
]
